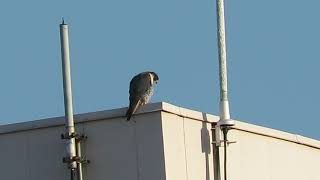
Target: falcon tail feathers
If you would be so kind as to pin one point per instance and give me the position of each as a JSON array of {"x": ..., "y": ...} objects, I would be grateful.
[{"x": 132, "y": 109}]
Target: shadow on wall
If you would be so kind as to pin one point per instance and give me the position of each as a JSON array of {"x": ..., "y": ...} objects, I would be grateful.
[{"x": 205, "y": 143}]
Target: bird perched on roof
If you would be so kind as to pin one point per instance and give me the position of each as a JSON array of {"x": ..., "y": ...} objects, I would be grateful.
[{"x": 141, "y": 90}]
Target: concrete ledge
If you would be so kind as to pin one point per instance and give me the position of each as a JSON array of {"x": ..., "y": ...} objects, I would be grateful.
[
  {"x": 188, "y": 113},
  {"x": 78, "y": 118},
  {"x": 277, "y": 134},
  {"x": 155, "y": 107}
]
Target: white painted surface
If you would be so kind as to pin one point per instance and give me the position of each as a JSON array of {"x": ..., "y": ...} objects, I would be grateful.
[
  {"x": 265, "y": 158},
  {"x": 165, "y": 143}
]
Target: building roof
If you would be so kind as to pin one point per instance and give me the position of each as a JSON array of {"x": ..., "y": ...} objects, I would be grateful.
[{"x": 156, "y": 107}]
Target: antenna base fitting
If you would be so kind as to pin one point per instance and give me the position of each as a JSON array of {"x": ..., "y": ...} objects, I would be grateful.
[{"x": 225, "y": 122}]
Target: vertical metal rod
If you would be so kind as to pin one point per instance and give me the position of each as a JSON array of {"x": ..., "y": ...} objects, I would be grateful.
[
  {"x": 79, "y": 164},
  {"x": 224, "y": 103},
  {"x": 216, "y": 154},
  {"x": 71, "y": 152}
]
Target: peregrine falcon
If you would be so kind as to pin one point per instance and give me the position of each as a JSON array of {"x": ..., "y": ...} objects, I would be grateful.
[{"x": 141, "y": 90}]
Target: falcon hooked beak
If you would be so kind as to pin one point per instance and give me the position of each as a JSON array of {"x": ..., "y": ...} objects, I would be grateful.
[{"x": 154, "y": 78}]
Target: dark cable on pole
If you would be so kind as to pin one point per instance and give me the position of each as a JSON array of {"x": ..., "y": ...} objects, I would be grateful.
[{"x": 72, "y": 174}]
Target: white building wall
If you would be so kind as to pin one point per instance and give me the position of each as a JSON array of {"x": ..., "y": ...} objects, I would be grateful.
[
  {"x": 263, "y": 157},
  {"x": 162, "y": 142},
  {"x": 32, "y": 155},
  {"x": 187, "y": 148},
  {"x": 125, "y": 150},
  {"x": 117, "y": 149}
]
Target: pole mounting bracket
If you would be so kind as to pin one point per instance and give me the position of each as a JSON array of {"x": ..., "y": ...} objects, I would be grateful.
[
  {"x": 77, "y": 159},
  {"x": 78, "y": 137},
  {"x": 68, "y": 135},
  {"x": 218, "y": 141}
]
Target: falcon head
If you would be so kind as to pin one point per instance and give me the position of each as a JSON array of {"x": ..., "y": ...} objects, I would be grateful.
[{"x": 155, "y": 77}]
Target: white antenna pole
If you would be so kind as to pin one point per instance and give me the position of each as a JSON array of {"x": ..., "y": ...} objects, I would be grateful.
[
  {"x": 224, "y": 103},
  {"x": 225, "y": 122},
  {"x": 70, "y": 131}
]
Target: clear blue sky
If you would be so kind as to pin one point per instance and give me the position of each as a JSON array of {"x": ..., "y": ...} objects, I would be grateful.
[{"x": 273, "y": 57}]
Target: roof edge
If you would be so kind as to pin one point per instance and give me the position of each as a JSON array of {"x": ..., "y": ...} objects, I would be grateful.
[
  {"x": 154, "y": 107},
  {"x": 273, "y": 133},
  {"x": 242, "y": 126},
  {"x": 78, "y": 118}
]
